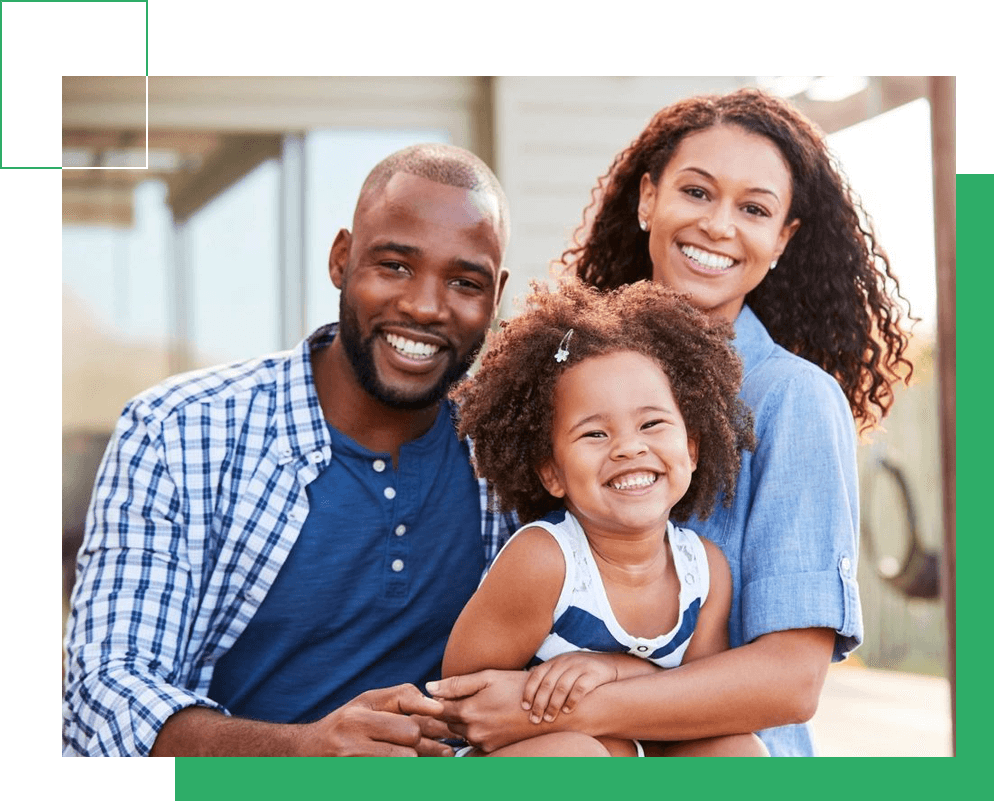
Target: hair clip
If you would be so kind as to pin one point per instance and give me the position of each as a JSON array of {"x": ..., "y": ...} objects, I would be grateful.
[{"x": 563, "y": 353}]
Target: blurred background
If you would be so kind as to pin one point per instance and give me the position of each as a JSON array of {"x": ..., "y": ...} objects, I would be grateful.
[{"x": 218, "y": 251}]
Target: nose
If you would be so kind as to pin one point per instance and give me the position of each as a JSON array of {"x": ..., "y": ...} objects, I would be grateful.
[
  {"x": 717, "y": 223},
  {"x": 423, "y": 300},
  {"x": 628, "y": 446}
]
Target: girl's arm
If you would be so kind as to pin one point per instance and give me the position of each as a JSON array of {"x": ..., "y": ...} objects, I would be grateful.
[
  {"x": 772, "y": 681},
  {"x": 711, "y": 633},
  {"x": 511, "y": 612}
]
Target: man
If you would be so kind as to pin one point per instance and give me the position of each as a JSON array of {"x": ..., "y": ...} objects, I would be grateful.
[{"x": 269, "y": 542}]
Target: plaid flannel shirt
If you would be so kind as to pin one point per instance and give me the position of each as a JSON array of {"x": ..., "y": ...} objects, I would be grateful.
[{"x": 197, "y": 503}]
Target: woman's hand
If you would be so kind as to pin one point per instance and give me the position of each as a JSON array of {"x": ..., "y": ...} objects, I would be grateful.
[{"x": 559, "y": 684}]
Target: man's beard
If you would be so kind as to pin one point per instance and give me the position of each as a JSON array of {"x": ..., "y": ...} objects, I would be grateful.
[{"x": 360, "y": 355}]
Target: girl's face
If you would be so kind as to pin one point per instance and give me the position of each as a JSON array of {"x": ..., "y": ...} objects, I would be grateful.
[
  {"x": 718, "y": 216},
  {"x": 621, "y": 454}
]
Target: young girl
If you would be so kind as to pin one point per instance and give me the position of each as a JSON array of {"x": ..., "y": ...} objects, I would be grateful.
[{"x": 598, "y": 416}]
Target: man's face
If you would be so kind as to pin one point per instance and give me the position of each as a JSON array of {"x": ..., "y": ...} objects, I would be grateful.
[{"x": 421, "y": 280}]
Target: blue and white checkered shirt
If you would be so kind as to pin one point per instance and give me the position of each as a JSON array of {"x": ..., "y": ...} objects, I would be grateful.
[{"x": 197, "y": 503}]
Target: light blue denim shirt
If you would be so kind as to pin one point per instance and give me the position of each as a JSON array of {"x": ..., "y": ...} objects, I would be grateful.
[{"x": 791, "y": 535}]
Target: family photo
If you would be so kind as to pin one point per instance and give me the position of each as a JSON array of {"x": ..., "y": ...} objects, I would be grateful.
[{"x": 508, "y": 416}]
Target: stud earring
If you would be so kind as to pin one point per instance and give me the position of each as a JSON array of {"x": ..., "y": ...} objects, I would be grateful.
[
  {"x": 773, "y": 264},
  {"x": 644, "y": 225}
]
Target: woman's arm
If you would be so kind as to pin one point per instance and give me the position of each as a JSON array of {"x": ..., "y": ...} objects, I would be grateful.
[
  {"x": 510, "y": 614},
  {"x": 773, "y": 681}
]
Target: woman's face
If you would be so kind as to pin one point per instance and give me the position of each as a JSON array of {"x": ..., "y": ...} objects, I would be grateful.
[{"x": 718, "y": 216}]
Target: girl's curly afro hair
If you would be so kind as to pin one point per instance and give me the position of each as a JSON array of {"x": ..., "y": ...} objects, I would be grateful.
[{"x": 506, "y": 408}]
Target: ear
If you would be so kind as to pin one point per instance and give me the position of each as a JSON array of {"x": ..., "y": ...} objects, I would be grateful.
[
  {"x": 692, "y": 450},
  {"x": 549, "y": 476},
  {"x": 338, "y": 259},
  {"x": 647, "y": 197},
  {"x": 501, "y": 283},
  {"x": 785, "y": 234}
]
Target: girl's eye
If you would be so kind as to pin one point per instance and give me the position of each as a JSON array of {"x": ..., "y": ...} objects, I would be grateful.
[
  {"x": 593, "y": 434},
  {"x": 652, "y": 423},
  {"x": 696, "y": 191},
  {"x": 759, "y": 211}
]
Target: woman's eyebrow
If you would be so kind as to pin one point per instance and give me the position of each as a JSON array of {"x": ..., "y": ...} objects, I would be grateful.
[{"x": 711, "y": 178}]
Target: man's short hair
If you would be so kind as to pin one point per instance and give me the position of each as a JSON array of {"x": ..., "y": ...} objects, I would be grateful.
[{"x": 444, "y": 164}]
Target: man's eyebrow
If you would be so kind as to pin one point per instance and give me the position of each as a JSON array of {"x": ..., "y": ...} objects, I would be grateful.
[
  {"x": 396, "y": 247},
  {"x": 473, "y": 267},
  {"x": 710, "y": 177}
]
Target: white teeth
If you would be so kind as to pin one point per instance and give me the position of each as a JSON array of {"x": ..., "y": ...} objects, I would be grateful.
[
  {"x": 634, "y": 481},
  {"x": 409, "y": 347},
  {"x": 710, "y": 260}
]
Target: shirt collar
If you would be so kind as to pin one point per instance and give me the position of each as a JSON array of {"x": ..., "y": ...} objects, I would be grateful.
[
  {"x": 752, "y": 341},
  {"x": 301, "y": 427}
]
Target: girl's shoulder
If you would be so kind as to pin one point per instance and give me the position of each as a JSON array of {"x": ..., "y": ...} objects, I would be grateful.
[{"x": 539, "y": 543}]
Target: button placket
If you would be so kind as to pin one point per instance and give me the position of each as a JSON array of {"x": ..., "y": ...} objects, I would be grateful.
[{"x": 398, "y": 545}]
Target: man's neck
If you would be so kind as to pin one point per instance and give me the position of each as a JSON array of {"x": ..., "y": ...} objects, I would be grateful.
[{"x": 351, "y": 410}]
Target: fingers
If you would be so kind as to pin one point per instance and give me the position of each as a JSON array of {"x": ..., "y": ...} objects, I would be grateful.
[
  {"x": 432, "y": 728},
  {"x": 559, "y": 688},
  {"x": 393, "y": 721},
  {"x": 405, "y": 699},
  {"x": 555, "y": 683},
  {"x": 583, "y": 685},
  {"x": 357, "y": 730},
  {"x": 459, "y": 686},
  {"x": 432, "y": 748}
]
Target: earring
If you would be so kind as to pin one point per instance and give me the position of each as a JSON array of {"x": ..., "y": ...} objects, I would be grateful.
[
  {"x": 644, "y": 225},
  {"x": 773, "y": 264}
]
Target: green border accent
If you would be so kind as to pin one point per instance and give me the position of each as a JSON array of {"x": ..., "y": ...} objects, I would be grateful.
[
  {"x": 974, "y": 443},
  {"x": 1, "y": 64}
]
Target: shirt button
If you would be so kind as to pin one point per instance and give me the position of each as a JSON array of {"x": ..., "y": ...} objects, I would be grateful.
[
  {"x": 689, "y": 578},
  {"x": 643, "y": 647},
  {"x": 379, "y": 465},
  {"x": 401, "y": 530},
  {"x": 316, "y": 457},
  {"x": 390, "y": 492},
  {"x": 846, "y": 565},
  {"x": 397, "y": 565}
]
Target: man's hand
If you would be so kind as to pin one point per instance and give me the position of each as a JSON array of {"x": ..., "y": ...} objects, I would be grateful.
[
  {"x": 394, "y": 721},
  {"x": 485, "y": 708}
]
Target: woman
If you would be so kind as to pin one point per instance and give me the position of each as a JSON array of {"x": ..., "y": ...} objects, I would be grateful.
[{"x": 736, "y": 201}]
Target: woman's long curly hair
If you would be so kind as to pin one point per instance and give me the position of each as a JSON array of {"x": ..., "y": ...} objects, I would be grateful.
[
  {"x": 832, "y": 299},
  {"x": 506, "y": 408}
]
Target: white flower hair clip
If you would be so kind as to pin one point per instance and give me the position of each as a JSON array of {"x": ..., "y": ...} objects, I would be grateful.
[{"x": 563, "y": 353}]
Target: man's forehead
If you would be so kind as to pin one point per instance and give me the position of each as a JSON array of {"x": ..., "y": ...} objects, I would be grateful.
[
  {"x": 406, "y": 186},
  {"x": 409, "y": 195}
]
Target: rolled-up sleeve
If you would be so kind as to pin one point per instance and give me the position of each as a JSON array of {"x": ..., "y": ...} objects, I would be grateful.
[
  {"x": 129, "y": 626},
  {"x": 801, "y": 539}
]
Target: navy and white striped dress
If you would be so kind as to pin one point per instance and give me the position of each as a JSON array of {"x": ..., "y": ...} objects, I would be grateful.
[{"x": 583, "y": 619}]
